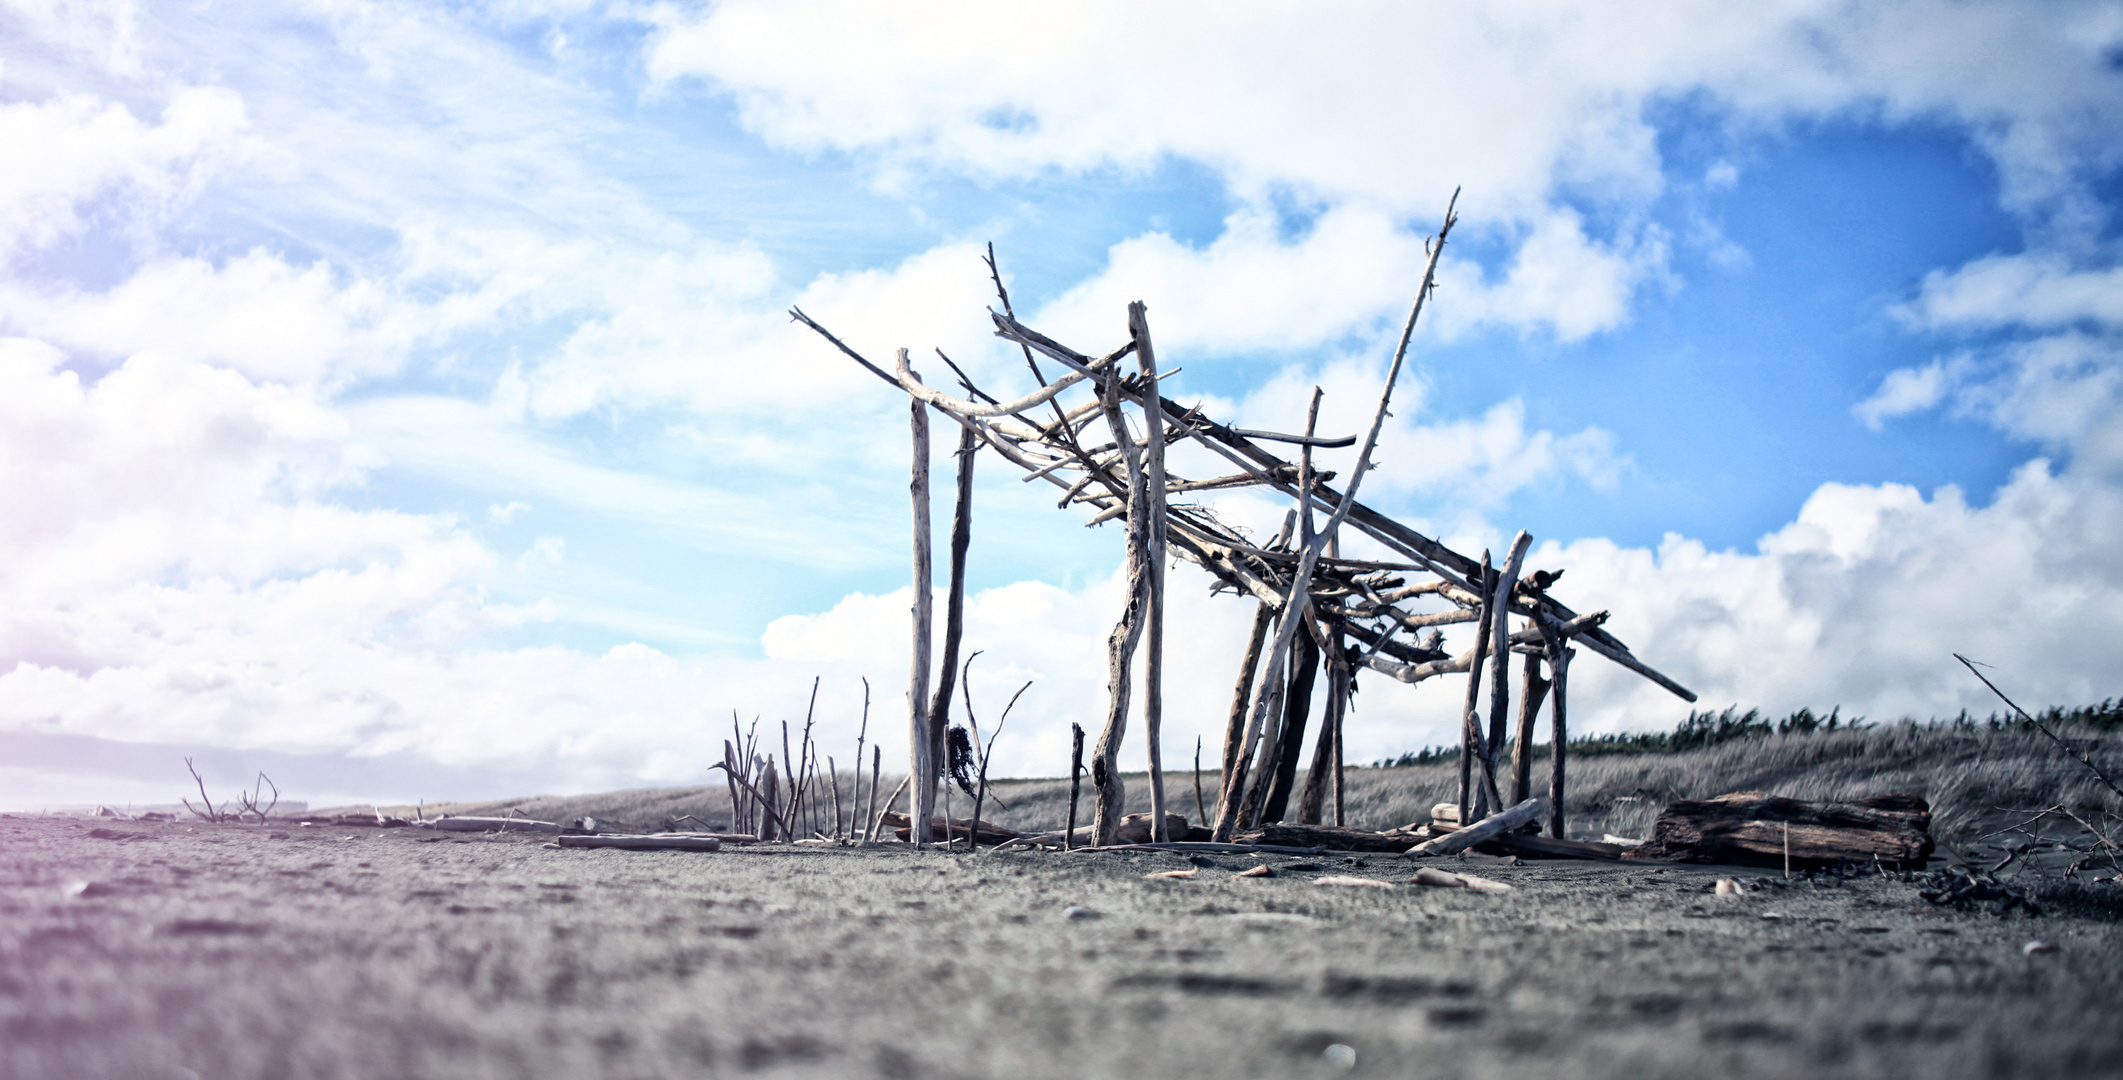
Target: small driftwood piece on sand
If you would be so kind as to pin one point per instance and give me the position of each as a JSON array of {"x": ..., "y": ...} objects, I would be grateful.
[
  {"x": 658, "y": 842},
  {"x": 1461, "y": 839},
  {"x": 1748, "y": 828},
  {"x": 488, "y": 824},
  {"x": 1133, "y": 830}
]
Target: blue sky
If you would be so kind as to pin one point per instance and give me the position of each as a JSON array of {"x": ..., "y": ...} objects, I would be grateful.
[{"x": 401, "y": 382}]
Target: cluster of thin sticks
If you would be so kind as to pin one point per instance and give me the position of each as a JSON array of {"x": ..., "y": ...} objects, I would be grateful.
[
  {"x": 774, "y": 799},
  {"x": 248, "y": 804}
]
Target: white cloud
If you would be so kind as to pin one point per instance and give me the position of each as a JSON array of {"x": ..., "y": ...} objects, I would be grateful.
[
  {"x": 1861, "y": 601},
  {"x": 1907, "y": 390},
  {"x": 2040, "y": 289},
  {"x": 94, "y": 157}
]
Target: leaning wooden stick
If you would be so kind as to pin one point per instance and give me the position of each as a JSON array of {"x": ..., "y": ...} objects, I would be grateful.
[
  {"x": 1301, "y": 580},
  {"x": 1532, "y": 692}
]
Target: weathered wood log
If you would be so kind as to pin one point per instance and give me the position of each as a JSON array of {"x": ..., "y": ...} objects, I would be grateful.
[
  {"x": 960, "y": 828},
  {"x": 1535, "y": 846},
  {"x": 1470, "y": 723},
  {"x": 487, "y": 824},
  {"x": 1329, "y": 838},
  {"x": 664, "y": 842},
  {"x": 1531, "y": 693},
  {"x": 1748, "y": 828},
  {"x": 1462, "y": 839}
]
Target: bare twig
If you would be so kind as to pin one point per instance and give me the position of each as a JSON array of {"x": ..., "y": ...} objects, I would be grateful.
[
  {"x": 2074, "y": 752},
  {"x": 210, "y": 813}
]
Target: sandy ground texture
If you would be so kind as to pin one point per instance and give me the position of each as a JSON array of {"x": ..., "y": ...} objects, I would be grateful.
[{"x": 158, "y": 950}]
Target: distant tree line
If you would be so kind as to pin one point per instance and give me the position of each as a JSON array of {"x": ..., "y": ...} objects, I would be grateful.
[{"x": 1704, "y": 728}]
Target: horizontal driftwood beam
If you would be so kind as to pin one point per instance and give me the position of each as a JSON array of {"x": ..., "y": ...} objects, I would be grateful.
[
  {"x": 487, "y": 824},
  {"x": 644, "y": 843}
]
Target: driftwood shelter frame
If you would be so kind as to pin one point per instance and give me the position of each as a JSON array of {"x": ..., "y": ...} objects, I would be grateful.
[{"x": 1350, "y": 611}]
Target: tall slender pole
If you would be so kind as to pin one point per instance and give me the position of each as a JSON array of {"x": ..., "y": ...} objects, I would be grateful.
[
  {"x": 922, "y": 746},
  {"x": 1154, "y": 553},
  {"x": 1559, "y": 719}
]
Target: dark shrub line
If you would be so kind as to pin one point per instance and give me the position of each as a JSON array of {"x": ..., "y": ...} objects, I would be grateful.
[{"x": 1705, "y": 728}]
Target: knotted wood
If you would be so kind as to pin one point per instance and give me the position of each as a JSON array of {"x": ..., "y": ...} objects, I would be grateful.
[{"x": 1748, "y": 828}]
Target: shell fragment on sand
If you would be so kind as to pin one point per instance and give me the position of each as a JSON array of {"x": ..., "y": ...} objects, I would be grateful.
[
  {"x": 1353, "y": 882},
  {"x": 1440, "y": 879},
  {"x": 1258, "y": 871}
]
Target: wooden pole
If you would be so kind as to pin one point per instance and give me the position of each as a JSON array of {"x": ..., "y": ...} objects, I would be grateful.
[
  {"x": 1109, "y": 803},
  {"x": 1319, "y": 779},
  {"x": 1297, "y": 711},
  {"x": 1076, "y": 781},
  {"x": 1471, "y": 728},
  {"x": 1200, "y": 812},
  {"x": 1558, "y": 719},
  {"x": 922, "y": 746},
  {"x": 1500, "y": 670},
  {"x": 1153, "y": 488},
  {"x": 1531, "y": 693},
  {"x": 955, "y": 599}
]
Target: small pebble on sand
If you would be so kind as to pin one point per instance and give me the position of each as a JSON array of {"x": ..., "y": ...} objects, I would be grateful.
[
  {"x": 1074, "y": 912},
  {"x": 1258, "y": 871},
  {"x": 1728, "y": 887},
  {"x": 2034, "y": 947},
  {"x": 1340, "y": 1056}
]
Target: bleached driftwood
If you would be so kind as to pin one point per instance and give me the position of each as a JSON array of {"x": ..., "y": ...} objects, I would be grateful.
[
  {"x": 1462, "y": 839},
  {"x": 654, "y": 842}
]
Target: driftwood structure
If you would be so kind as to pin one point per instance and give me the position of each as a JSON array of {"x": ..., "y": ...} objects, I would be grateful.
[{"x": 1318, "y": 612}]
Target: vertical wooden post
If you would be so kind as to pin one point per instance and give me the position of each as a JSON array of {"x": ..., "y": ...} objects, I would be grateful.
[
  {"x": 1076, "y": 782},
  {"x": 1111, "y": 797},
  {"x": 1507, "y": 581},
  {"x": 1319, "y": 778},
  {"x": 1560, "y": 736},
  {"x": 1531, "y": 693},
  {"x": 1154, "y": 553},
  {"x": 1470, "y": 727},
  {"x": 920, "y": 742}
]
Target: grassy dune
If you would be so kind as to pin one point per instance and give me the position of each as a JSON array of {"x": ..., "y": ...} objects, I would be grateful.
[{"x": 1974, "y": 778}]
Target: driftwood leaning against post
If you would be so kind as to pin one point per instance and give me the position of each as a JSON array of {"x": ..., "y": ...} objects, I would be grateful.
[
  {"x": 1531, "y": 693},
  {"x": 923, "y": 762},
  {"x": 1470, "y": 727},
  {"x": 955, "y": 598},
  {"x": 1500, "y": 669},
  {"x": 1491, "y": 826},
  {"x": 1154, "y": 554}
]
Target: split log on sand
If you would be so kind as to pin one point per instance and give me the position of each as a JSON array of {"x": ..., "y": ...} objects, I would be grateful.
[{"x": 1753, "y": 828}]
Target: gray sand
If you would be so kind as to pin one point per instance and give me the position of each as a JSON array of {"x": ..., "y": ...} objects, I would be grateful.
[{"x": 283, "y": 952}]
